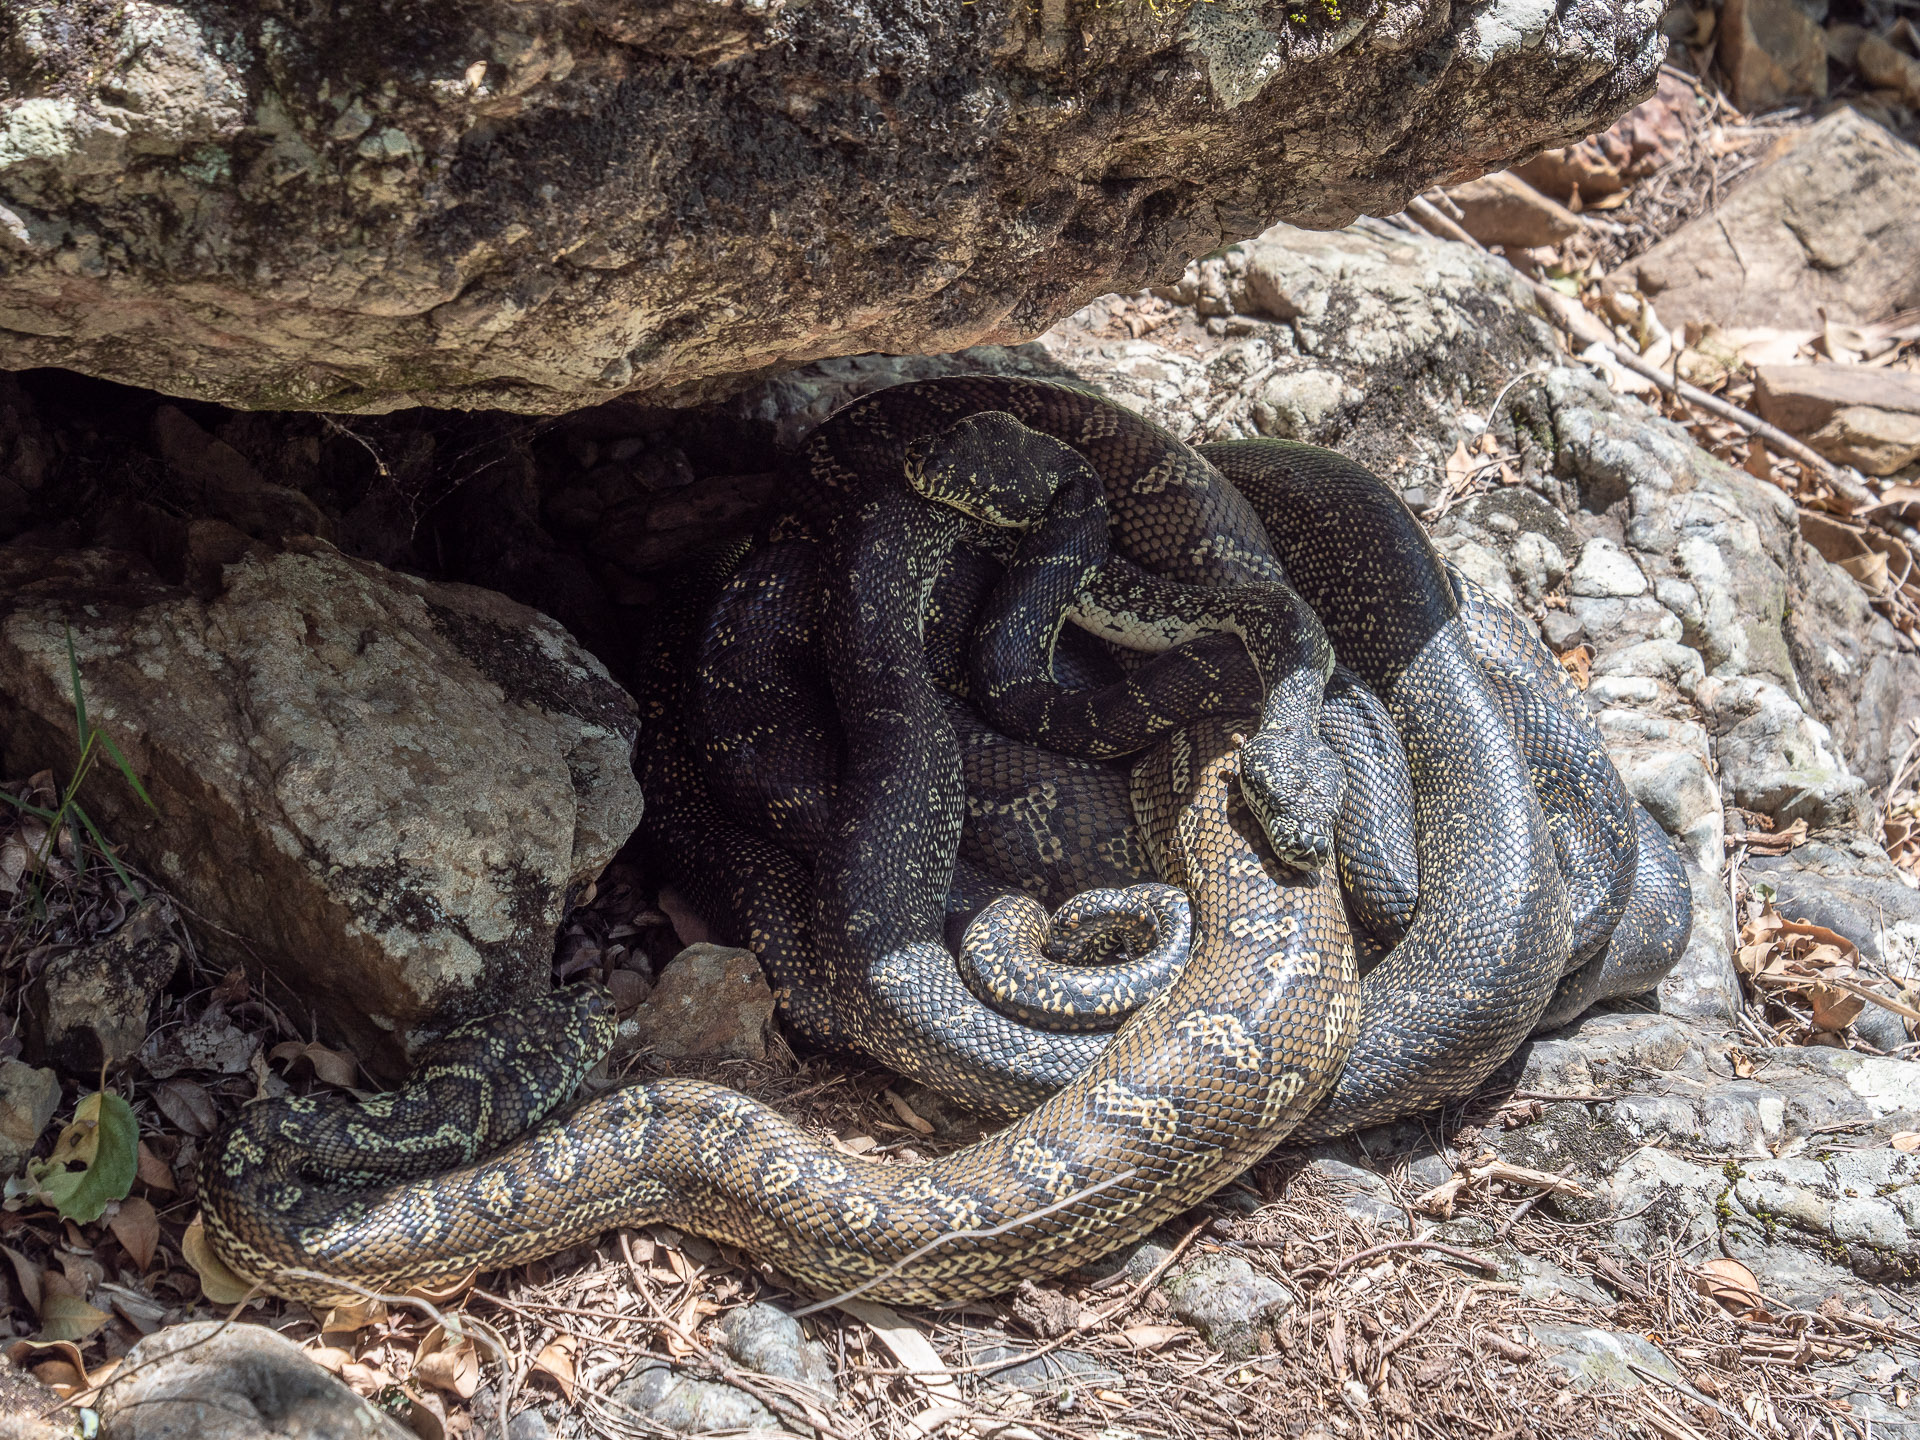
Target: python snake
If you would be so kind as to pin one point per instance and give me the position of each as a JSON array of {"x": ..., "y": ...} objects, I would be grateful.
[{"x": 1197, "y": 1084}]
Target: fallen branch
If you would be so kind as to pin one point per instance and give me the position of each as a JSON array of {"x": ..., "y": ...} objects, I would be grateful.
[
  {"x": 1467, "y": 1255},
  {"x": 1587, "y": 331}
]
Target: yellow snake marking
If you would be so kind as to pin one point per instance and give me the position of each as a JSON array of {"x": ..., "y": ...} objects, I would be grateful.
[
  {"x": 859, "y": 1212},
  {"x": 962, "y": 1211},
  {"x": 780, "y": 1174},
  {"x": 1224, "y": 1032},
  {"x": 496, "y": 1195},
  {"x": 1280, "y": 1094},
  {"x": 553, "y": 1152},
  {"x": 829, "y": 1171},
  {"x": 1156, "y": 1113},
  {"x": 241, "y": 1155},
  {"x": 380, "y": 1107},
  {"x": 302, "y": 1104},
  {"x": 1043, "y": 1165},
  {"x": 918, "y": 1190}
]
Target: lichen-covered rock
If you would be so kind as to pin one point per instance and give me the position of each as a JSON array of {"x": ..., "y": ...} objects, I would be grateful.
[
  {"x": 688, "y": 1405},
  {"x": 90, "y": 1005},
  {"x": 1600, "y": 1359},
  {"x": 765, "y": 1339},
  {"x": 1226, "y": 1300},
  {"x": 536, "y": 206},
  {"x": 390, "y": 788}
]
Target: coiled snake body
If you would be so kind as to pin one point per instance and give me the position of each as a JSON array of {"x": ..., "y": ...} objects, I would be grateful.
[{"x": 1198, "y": 1083}]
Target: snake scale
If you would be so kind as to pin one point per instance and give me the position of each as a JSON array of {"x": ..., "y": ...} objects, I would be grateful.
[{"x": 1244, "y": 1046}]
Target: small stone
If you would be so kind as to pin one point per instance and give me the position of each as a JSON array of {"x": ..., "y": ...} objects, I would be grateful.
[
  {"x": 711, "y": 1002},
  {"x": 766, "y": 1339},
  {"x": 28, "y": 1098},
  {"x": 1771, "y": 51},
  {"x": 1605, "y": 571},
  {"x": 1050, "y": 1373},
  {"x": 1537, "y": 565},
  {"x": 1599, "y": 1359},
  {"x": 1226, "y": 1300},
  {"x": 628, "y": 988},
  {"x": 529, "y": 1425},
  {"x": 90, "y": 1005},
  {"x": 690, "y": 1406},
  {"x": 214, "y": 1381},
  {"x": 1502, "y": 209}
]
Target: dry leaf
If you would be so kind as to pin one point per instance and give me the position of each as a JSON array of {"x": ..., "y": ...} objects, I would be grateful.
[
  {"x": 68, "y": 1317},
  {"x": 187, "y": 1105},
  {"x": 1906, "y": 1140},
  {"x": 453, "y": 1367},
  {"x": 1834, "y": 1008},
  {"x": 219, "y": 1284},
  {"x": 154, "y": 1172},
  {"x": 137, "y": 1229},
  {"x": 1578, "y": 662},
  {"x": 556, "y": 1362},
  {"x": 1152, "y": 1337},
  {"x": 30, "y": 1276},
  {"x": 332, "y": 1067},
  {"x": 1729, "y": 1284},
  {"x": 353, "y": 1316},
  {"x": 1742, "y": 1064}
]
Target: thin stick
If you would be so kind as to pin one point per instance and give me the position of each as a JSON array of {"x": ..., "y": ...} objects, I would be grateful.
[
  {"x": 987, "y": 1234},
  {"x": 1466, "y": 1255},
  {"x": 1698, "y": 1397},
  {"x": 1588, "y": 331},
  {"x": 1420, "y": 1322}
]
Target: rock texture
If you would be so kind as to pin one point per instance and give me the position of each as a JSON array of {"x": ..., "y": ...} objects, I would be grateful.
[
  {"x": 206, "y": 1380},
  {"x": 1829, "y": 222},
  {"x": 534, "y": 206},
  {"x": 385, "y": 789},
  {"x": 1856, "y": 414}
]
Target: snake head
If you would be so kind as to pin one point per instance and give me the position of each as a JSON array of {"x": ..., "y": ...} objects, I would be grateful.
[
  {"x": 1294, "y": 786},
  {"x": 991, "y": 467}
]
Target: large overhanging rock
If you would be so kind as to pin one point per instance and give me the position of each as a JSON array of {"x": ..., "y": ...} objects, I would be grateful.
[{"x": 539, "y": 205}]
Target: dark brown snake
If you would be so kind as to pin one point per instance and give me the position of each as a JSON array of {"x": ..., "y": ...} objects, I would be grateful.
[{"x": 1195, "y": 1086}]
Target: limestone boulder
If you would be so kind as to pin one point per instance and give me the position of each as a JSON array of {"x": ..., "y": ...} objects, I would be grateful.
[
  {"x": 538, "y": 204},
  {"x": 385, "y": 790}
]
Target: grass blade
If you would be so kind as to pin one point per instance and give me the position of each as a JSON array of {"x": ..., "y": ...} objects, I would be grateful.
[
  {"x": 79, "y": 696},
  {"x": 127, "y": 770},
  {"x": 22, "y": 805},
  {"x": 100, "y": 843}
]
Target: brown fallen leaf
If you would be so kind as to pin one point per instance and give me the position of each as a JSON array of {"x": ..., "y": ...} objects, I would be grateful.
[
  {"x": 30, "y": 1275},
  {"x": 908, "y": 1115},
  {"x": 1578, "y": 662},
  {"x": 1905, "y": 1140},
  {"x": 187, "y": 1105},
  {"x": 1730, "y": 1285},
  {"x": 154, "y": 1172},
  {"x": 137, "y": 1229},
  {"x": 556, "y": 1363},
  {"x": 31, "y": 1354},
  {"x": 447, "y": 1364},
  {"x": 331, "y": 1067}
]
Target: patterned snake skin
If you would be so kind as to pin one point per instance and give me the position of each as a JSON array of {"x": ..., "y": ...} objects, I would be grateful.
[{"x": 1199, "y": 1082}]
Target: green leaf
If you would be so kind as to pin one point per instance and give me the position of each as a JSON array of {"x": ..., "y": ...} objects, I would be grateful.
[
  {"x": 100, "y": 843},
  {"x": 79, "y": 697},
  {"x": 93, "y": 1162},
  {"x": 127, "y": 770}
]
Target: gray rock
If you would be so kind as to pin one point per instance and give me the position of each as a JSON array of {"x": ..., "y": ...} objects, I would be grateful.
[
  {"x": 709, "y": 1002},
  {"x": 764, "y": 1338},
  {"x": 90, "y": 1005},
  {"x": 1226, "y": 1300},
  {"x": 1364, "y": 1195},
  {"x": 1604, "y": 570},
  {"x": 529, "y": 1425},
  {"x": 529, "y": 209},
  {"x": 1657, "y": 1195},
  {"x": 207, "y": 1380},
  {"x": 1704, "y": 987},
  {"x": 1599, "y": 1359},
  {"x": 1858, "y": 895},
  {"x": 654, "y": 1390},
  {"x": 392, "y": 787},
  {"x": 28, "y": 1098},
  {"x": 1796, "y": 1276},
  {"x": 1862, "y": 1202}
]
